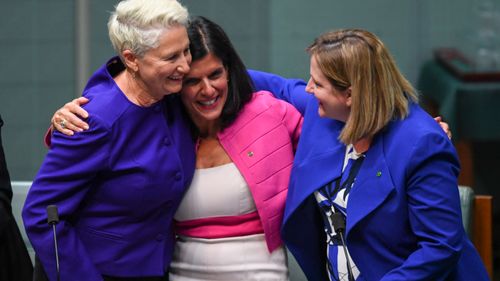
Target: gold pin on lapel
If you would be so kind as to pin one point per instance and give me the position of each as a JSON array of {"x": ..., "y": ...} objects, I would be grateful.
[{"x": 250, "y": 153}]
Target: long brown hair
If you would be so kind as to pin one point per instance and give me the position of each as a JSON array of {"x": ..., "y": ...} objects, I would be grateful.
[{"x": 379, "y": 92}]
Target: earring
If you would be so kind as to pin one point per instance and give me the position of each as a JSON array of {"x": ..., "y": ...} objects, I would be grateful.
[{"x": 133, "y": 73}]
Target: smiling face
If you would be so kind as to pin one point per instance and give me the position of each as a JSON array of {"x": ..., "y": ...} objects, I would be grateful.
[
  {"x": 161, "y": 69},
  {"x": 204, "y": 92},
  {"x": 333, "y": 103}
]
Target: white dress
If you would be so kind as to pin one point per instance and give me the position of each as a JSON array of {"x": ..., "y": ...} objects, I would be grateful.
[{"x": 222, "y": 192}]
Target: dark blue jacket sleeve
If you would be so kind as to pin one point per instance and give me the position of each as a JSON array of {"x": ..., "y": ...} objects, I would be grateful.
[
  {"x": 290, "y": 90},
  {"x": 434, "y": 211}
]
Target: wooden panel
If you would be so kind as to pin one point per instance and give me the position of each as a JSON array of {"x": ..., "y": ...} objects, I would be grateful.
[
  {"x": 466, "y": 156},
  {"x": 463, "y": 147},
  {"x": 482, "y": 230}
]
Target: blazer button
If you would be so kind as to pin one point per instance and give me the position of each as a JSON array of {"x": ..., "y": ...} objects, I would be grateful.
[
  {"x": 160, "y": 237},
  {"x": 166, "y": 141},
  {"x": 178, "y": 176}
]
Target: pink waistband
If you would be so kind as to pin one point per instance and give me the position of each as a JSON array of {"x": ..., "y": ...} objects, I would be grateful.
[{"x": 220, "y": 227}]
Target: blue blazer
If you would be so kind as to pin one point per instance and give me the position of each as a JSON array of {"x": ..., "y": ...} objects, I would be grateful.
[{"x": 403, "y": 216}]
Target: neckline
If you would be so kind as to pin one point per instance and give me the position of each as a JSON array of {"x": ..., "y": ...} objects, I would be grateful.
[{"x": 216, "y": 167}]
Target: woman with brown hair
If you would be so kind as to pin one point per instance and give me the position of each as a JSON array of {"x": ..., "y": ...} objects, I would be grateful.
[{"x": 373, "y": 193}]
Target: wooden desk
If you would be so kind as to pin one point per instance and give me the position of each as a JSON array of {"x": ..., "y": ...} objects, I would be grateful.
[{"x": 472, "y": 109}]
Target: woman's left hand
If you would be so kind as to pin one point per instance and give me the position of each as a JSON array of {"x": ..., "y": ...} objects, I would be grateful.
[
  {"x": 67, "y": 118},
  {"x": 444, "y": 125}
]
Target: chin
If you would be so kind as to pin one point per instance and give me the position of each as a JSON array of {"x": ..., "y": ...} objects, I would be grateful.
[
  {"x": 212, "y": 116},
  {"x": 173, "y": 90}
]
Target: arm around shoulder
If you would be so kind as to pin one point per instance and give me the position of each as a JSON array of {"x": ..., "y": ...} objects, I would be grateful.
[
  {"x": 290, "y": 90},
  {"x": 293, "y": 120}
]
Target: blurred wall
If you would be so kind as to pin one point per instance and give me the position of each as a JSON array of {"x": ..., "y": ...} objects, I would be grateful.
[
  {"x": 36, "y": 76},
  {"x": 38, "y": 66}
]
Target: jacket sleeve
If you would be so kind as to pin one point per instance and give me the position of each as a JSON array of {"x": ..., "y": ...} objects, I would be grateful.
[
  {"x": 290, "y": 90},
  {"x": 293, "y": 121},
  {"x": 47, "y": 137},
  {"x": 64, "y": 179},
  {"x": 434, "y": 211}
]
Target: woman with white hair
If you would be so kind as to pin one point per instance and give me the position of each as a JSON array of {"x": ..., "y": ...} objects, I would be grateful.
[{"x": 118, "y": 184}]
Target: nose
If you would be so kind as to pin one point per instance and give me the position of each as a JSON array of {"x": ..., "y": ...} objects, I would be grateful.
[
  {"x": 184, "y": 63},
  {"x": 310, "y": 86},
  {"x": 207, "y": 88}
]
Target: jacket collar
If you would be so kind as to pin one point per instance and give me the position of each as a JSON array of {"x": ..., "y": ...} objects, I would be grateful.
[
  {"x": 311, "y": 174},
  {"x": 373, "y": 183}
]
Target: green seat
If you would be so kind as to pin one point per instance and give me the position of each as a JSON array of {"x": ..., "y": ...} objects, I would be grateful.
[
  {"x": 20, "y": 190},
  {"x": 467, "y": 206}
]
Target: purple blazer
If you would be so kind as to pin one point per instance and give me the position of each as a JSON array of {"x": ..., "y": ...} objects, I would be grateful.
[{"x": 117, "y": 186}]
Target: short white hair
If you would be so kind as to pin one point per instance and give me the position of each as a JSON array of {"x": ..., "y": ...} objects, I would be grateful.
[{"x": 136, "y": 25}]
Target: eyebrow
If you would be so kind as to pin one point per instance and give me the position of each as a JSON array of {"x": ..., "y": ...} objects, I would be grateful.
[
  {"x": 314, "y": 79},
  {"x": 176, "y": 52},
  {"x": 218, "y": 70}
]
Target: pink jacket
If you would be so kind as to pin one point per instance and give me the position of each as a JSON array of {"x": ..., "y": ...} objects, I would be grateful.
[{"x": 262, "y": 142}]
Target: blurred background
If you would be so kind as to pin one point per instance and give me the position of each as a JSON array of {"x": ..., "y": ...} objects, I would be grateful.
[{"x": 49, "y": 48}]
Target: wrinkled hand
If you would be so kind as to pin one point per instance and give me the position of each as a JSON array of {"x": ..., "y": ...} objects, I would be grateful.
[
  {"x": 67, "y": 118},
  {"x": 444, "y": 125}
]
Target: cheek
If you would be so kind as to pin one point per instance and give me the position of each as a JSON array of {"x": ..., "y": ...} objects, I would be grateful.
[
  {"x": 321, "y": 96},
  {"x": 165, "y": 70},
  {"x": 330, "y": 102},
  {"x": 221, "y": 85},
  {"x": 224, "y": 89},
  {"x": 187, "y": 94}
]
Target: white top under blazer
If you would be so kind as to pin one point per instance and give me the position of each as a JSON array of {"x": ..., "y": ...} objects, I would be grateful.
[{"x": 219, "y": 204}]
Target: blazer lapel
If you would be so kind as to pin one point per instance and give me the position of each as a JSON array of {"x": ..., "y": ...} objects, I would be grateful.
[
  {"x": 311, "y": 175},
  {"x": 373, "y": 185}
]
